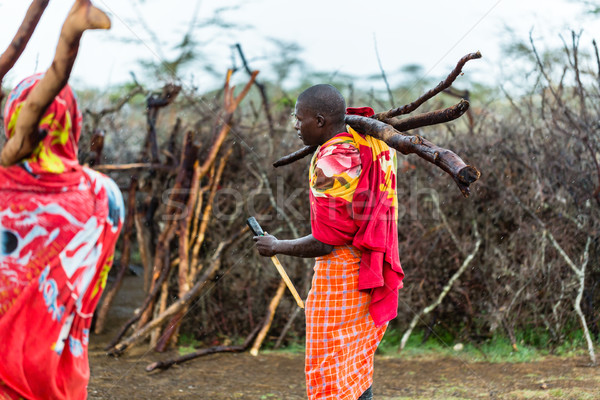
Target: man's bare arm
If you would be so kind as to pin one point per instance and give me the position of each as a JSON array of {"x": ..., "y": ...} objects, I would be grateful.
[{"x": 306, "y": 246}]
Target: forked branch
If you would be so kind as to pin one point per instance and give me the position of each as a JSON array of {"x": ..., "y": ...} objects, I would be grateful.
[
  {"x": 445, "y": 84},
  {"x": 386, "y": 127}
]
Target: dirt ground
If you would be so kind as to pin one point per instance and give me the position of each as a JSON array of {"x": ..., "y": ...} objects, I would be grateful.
[{"x": 278, "y": 375}]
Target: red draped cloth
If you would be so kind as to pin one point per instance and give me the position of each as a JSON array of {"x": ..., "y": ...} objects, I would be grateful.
[
  {"x": 353, "y": 201},
  {"x": 59, "y": 224}
]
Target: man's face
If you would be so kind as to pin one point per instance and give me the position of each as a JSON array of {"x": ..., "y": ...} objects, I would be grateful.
[{"x": 307, "y": 125}]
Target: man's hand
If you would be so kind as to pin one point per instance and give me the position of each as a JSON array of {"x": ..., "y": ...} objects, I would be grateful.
[{"x": 266, "y": 245}]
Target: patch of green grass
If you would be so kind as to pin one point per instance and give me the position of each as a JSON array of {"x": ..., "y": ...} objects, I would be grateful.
[
  {"x": 183, "y": 350},
  {"x": 531, "y": 346},
  {"x": 294, "y": 346},
  {"x": 186, "y": 340},
  {"x": 187, "y": 344}
]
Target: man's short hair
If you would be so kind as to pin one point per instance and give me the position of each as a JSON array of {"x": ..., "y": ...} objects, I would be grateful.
[{"x": 324, "y": 99}]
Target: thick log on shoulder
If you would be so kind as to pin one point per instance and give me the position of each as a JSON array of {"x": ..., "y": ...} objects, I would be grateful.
[
  {"x": 462, "y": 174},
  {"x": 448, "y": 161},
  {"x": 387, "y": 127},
  {"x": 295, "y": 156},
  {"x": 402, "y": 125}
]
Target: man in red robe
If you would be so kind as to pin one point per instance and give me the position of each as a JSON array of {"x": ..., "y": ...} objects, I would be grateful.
[{"x": 354, "y": 239}]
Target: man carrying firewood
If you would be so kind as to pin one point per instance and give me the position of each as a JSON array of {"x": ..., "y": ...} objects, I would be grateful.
[{"x": 354, "y": 239}]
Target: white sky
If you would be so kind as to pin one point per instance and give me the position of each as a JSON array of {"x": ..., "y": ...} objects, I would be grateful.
[{"x": 335, "y": 35}]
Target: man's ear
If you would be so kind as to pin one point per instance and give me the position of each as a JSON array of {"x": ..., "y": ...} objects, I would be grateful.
[{"x": 320, "y": 120}]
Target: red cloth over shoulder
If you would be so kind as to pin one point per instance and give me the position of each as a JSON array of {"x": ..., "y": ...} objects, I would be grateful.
[
  {"x": 353, "y": 201},
  {"x": 362, "y": 111}
]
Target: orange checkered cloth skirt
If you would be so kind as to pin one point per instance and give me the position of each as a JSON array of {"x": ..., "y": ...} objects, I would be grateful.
[{"x": 341, "y": 337}]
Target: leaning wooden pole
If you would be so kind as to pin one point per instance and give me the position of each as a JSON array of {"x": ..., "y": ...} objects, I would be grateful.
[
  {"x": 268, "y": 318},
  {"x": 202, "y": 352}
]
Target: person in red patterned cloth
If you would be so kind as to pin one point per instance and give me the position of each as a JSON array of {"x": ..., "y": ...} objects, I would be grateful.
[
  {"x": 354, "y": 238},
  {"x": 59, "y": 224}
]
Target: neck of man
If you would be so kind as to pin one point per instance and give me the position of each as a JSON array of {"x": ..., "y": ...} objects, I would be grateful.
[{"x": 334, "y": 130}]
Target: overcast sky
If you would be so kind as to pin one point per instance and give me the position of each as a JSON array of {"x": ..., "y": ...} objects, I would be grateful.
[{"x": 336, "y": 36}]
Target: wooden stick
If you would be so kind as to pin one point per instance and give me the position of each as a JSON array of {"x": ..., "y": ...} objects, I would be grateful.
[
  {"x": 143, "y": 241},
  {"x": 83, "y": 16},
  {"x": 268, "y": 318},
  {"x": 295, "y": 156},
  {"x": 19, "y": 42},
  {"x": 287, "y": 281},
  {"x": 202, "y": 352},
  {"x": 159, "y": 308},
  {"x": 129, "y": 167}
]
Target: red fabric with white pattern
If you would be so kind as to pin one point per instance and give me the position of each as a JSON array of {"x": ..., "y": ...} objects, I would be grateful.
[{"x": 59, "y": 224}]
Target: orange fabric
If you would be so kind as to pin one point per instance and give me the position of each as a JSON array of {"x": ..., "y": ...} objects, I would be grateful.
[{"x": 341, "y": 337}]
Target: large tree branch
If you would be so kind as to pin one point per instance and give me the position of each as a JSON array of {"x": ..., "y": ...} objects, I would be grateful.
[
  {"x": 447, "y": 160},
  {"x": 16, "y": 47},
  {"x": 82, "y": 16},
  {"x": 385, "y": 126},
  {"x": 464, "y": 175}
]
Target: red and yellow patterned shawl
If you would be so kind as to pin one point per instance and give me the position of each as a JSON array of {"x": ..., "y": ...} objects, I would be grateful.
[{"x": 353, "y": 201}]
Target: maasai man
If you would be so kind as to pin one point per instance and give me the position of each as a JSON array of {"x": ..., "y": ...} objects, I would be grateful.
[
  {"x": 59, "y": 223},
  {"x": 354, "y": 238}
]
